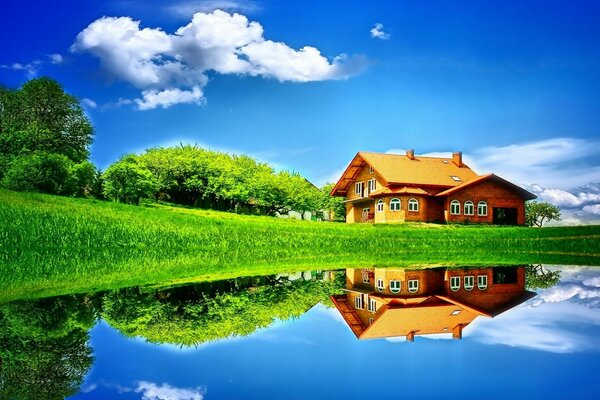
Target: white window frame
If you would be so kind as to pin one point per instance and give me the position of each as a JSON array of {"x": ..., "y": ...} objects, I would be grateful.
[
  {"x": 482, "y": 282},
  {"x": 480, "y": 205},
  {"x": 380, "y": 205},
  {"x": 365, "y": 277},
  {"x": 455, "y": 178},
  {"x": 413, "y": 285},
  {"x": 380, "y": 285},
  {"x": 411, "y": 204},
  {"x": 455, "y": 205},
  {"x": 372, "y": 306},
  {"x": 469, "y": 282},
  {"x": 358, "y": 189},
  {"x": 372, "y": 185},
  {"x": 454, "y": 286},
  {"x": 455, "y": 312},
  {"x": 471, "y": 208},
  {"x": 393, "y": 289},
  {"x": 358, "y": 302},
  {"x": 393, "y": 202}
]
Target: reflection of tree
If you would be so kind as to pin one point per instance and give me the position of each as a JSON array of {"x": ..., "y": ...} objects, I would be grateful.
[
  {"x": 536, "y": 277},
  {"x": 44, "y": 351},
  {"x": 204, "y": 312}
]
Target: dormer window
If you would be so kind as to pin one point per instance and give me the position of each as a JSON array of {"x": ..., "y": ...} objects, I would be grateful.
[{"x": 456, "y": 178}]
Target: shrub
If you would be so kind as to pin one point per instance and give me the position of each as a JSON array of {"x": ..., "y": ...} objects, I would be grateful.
[{"x": 40, "y": 172}]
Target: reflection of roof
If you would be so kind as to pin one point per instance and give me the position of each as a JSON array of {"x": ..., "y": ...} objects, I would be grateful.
[
  {"x": 399, "y": 169},
  {"x": 524, "y": 193}
]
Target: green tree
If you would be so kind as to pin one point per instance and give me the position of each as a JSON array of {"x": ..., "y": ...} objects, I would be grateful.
[
  {"x": 538, "y": 278},
  {"x": 536, "y": 213},
  {"x": 42, "y": 172},
  {"x": 129, "y": 180},
  {"x": 333, "y": 204}
]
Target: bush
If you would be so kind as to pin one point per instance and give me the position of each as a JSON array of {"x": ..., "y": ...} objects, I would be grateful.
[
  {"x": 128, "y": 181},
  {"x": 40, "y": 172}
]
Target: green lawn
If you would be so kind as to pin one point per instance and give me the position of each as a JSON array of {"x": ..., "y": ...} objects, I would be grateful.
[{"x": 54, "y": 245}]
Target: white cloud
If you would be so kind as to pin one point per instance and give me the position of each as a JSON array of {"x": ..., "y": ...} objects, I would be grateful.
[
  {"x": 89, "y": 103},
  {"x": 174, "y": 66},
  {"x": 55, "y": 58},
  {"x": 166, "y": 98},
  {"x": 152, "y": 391},
  {"x": 592, "y": 209},
  {"x": 31, "y": 69},
  {"x": 377, "y": 32}
]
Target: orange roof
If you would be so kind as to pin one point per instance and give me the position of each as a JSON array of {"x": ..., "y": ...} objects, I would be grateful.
[
  {"x": 524, "y": 193},
  {"x": 399, "y": 169},
  {"x": 399, "y": 190}
]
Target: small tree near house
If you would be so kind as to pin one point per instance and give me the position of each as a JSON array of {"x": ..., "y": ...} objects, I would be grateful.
[{"x": 536, "y": 213}]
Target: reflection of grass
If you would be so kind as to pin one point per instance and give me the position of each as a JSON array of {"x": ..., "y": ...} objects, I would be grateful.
[{"x": 53, "y": 245}]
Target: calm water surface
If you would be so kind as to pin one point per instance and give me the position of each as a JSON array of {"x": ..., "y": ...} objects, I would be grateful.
[{"x": 523, "y": 332}]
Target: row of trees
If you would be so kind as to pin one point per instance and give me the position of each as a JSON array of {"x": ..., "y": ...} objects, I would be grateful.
[{"x": 44, "y": 146}]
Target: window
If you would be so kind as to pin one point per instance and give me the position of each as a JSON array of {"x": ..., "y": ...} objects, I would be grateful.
[
  {"x": 413, "y": 205},
  {"x": 482, "y": 209},
  {"x": 372, "y": 185},
  {"x": 482, "y": 282},
  {"x": 413, "y": 285},
  {"x": 394, "y": 286},
  {"x": 380, "y": 285},
  {"x": 358, "y": 302},
  {"x": 372, "y": 306},
  {"x": 371, "y": 321},
  {"x": 455, "y": 312},
  {"x": 358, "y": 188},
  {"x": 469, "y": 208},
  {"x": 371, "y": 170},
  {"x": 380, "y": 205},
  {"x": 469, "y": 282},
  {"x": 456, "y": 178},
  {"x": 365, "y": 277},
  {"x": 454, "y": 283},
  {"x": 395, "y": 204},
  {"x": 455, "y": 207}
]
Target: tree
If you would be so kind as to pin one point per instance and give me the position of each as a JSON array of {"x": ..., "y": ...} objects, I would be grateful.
[
  {"x": 536, "y": 213},
  {"x": 129, "y": 180},
  {"x": 41, "y": 172},
  {"x": 333, "y": 204},
  {"x": 538, "y": 278}
]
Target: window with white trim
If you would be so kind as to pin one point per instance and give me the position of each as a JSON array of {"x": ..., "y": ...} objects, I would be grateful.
[
  {"x": 380, "y": 205},
  {"x": 456, "y": 178},
  {"x": 372, "y": 185},
  {"x": 358, "y": 302},
  {"x": 371, "y": 170},
  {"x": 380, "y": 285},
  {"x": 358, "y": 189},
  {"x": 455, "y": 312},
  {"x": 413, "y": 205},
  {"x": 394, "y": 204},
  {"x": 394, "y": 286},
  {"x": 482, "y": 209},
  {"x": 454, "y": 283},
  {"x": 455, "y": 207},
  {"x": 372, "y": 306},
  {"x": 365, "y": 277},
  {"x": 469, "y": 208},
  {"x": 469, "y": 282},
  {"x": 413, "y": 285},
  {"x": 482, "y": 282}
]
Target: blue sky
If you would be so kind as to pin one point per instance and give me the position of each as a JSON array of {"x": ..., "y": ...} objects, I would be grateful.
[
  {"x": 514, "y": 86},
  {"x": 545, "y": 348}
]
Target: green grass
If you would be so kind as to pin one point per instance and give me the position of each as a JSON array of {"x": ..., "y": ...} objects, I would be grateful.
[{"x": 54, "y": 245}]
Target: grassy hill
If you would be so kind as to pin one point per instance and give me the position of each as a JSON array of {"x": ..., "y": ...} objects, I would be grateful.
[{"x": 54, "y": 245}]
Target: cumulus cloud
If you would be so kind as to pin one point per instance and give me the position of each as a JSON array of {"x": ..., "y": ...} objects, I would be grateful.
[
  {"x": 378, "y": 32},
  {"x": 172, "y": 68},
  {"x": 153, "y": 391}
]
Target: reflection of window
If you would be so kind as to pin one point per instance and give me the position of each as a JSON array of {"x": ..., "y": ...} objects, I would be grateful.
[
  {"x": 395, "y": 204},
  {"x": 455, "y": 283},
  {"x": 394, "y": 286},
  {"x": 372, "y": 306},
  {"x": 380, "y": 285},
  {"x": 413, "y": 285},
  {"x": 380, "y": 205},
  {"x": 482, "y": 282},
  {"x": 469, "y": 282},
  {"x": 358, "y": 302},
  {"x": 365, "y": 277},
  {"x": 504, "y": 275},
  {"x": 413, "y": 205},
  {"x": 469, "y": 208},
  {"x": 482, "y": 209},
  {"x": 455, "y": 207}
]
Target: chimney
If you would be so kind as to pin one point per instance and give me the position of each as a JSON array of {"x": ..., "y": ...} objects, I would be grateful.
[
  {"x": 410, "y": 154},
  {"x": 457, "y": 332},
  {"x": 411, "y": 336},
  {"x": 457, "y": 158}
]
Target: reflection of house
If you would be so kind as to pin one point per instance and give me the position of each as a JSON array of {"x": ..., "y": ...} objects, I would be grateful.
[
  {"x": 384, "y": 302},
  {"x": 398, "y": 188}
]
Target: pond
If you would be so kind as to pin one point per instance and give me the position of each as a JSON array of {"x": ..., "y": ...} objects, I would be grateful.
[{"x": 529, "y": 331}]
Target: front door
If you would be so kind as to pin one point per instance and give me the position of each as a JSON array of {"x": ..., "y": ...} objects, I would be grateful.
[
  {"x": 505, "y": 216},
  {"x": 365, "y": 214}
]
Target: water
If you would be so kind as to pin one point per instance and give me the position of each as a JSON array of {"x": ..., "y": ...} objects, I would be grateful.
[{"x": 524, "y": 332}]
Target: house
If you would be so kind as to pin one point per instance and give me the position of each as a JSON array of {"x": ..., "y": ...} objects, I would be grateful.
[
  {"x": 385, "y": 188},
  {"x": 385, "y": 302}
]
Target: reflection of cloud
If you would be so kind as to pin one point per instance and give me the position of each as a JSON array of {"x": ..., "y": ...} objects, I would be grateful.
[{"x": 152, "y": 391}]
